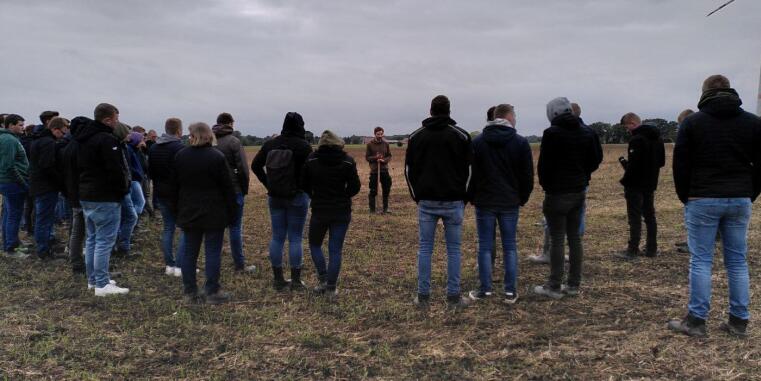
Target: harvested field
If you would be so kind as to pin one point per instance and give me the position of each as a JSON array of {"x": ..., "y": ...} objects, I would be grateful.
[{"x": 51, "y": 327}]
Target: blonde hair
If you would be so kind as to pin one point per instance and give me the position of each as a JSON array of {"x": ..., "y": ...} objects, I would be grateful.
[
  {"x": 201, "y": 135},
  {"x": 58, "y": 123}
]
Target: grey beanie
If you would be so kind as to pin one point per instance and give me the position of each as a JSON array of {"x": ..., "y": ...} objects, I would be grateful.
[
  {"x": 328, "y": 138},
  {"x": 557, "y": 107}
]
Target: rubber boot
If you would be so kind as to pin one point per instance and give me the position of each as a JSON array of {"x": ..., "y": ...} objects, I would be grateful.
[{"x": 279, "y": 283}]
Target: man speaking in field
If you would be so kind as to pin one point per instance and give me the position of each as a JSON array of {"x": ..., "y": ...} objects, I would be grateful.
[{"x": 378, "y": 154}]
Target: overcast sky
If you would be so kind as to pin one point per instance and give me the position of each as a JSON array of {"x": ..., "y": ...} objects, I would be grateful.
[{"x": 351, "y": 65}]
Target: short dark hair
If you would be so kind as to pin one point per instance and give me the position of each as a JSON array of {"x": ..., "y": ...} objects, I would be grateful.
[
  {"x": 12, "y": 119},
  {"x": 45, "y": 116},
  {"x": 2, "y": 118},
  {"x": 376, "y": 129},
  {"x": 103, "y": 111},
  {"x": 490, "y": 113},
  {"x": 139, "y": 129},
  {"x": 502, "y": 110},
  {"x": 440, "y": 106},
  {"x": 225, "y": 118},
  {"x": 58, "y": 123},
  {"x": 172, "y": 126},
  {"x": 631, "y": 117},
  {"x": 716, "y": 81}
]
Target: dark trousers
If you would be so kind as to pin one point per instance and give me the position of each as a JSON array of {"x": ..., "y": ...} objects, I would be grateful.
[
  {"x": 77, "y": 239},
  {"x": 639, "y": 205},
  {"x": 563, "y": 215},
  {"x": 213, "y": 248},
  {"x": 318, "y": 227},
  {"x": 385, "y": 180},
  {"x": 28, "y": 218}
]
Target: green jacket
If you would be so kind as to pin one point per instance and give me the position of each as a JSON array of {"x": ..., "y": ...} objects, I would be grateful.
[{"x": 14, "y": 167}]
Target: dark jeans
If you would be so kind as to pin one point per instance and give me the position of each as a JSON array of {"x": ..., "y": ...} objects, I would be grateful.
[
  {"x": 385, "y": 179},
  {"x": 77, "y": 239},
  {"x": 318, "y": 227},
  {"x": 167, "y": 236},
  {"x": 236, "y": 235},
  {"x": 13, "y": 205},
  {"x": 213, "y": 248},
  {"x": 27, "y": 220},
  {"x": 44, "y": 207},
  {"x": 640, "y": 204},
  {"x": 563, "y": 214}
]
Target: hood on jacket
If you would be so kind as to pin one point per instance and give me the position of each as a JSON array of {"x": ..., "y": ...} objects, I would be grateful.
[
  {"x": 164, "y": 139},
  {"x": 498, "y": 134},
  {"x": 134, "y": 138},
  {"x": 567, "y": 121},
  {"x": 721, "y": 103},
  {"x": 558, "y": 107},
  {"x": 121, "y": 131},
  {"x": 89, "y": 130},
  {"x": 648, "y": 131},
  {"x": 330, "y": 155},
  {"x": 329, "y": 138},
  {"x": 438, "y": 122},
  {"x": 77, "y": 125},
  {"x": 293, "y": 125},
  {"x": 221, "y": 130}
]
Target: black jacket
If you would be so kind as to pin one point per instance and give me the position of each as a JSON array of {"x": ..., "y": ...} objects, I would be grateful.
[
  {"x": 568, "y": 155},
  {"x": 43, "y": 172},
  {"x": 103, "y": 172},
  {"x": 67, "y": 162},
  {"x": 205, "y": 199},
  {"x": 330, "y": 179},
  {"x": 161, "y": 162},
  {"x": 437, "y": 164},
  {"x": 503, "y": 169},
  {"x": 718, "y": 150},
  {"x": 293, "y": 137},
  {"x": 646, "y": 157},
  {"x": 230, "y": 146}
]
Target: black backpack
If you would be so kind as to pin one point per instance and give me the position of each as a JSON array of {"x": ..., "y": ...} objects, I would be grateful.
[{"x": 281, "y": 173}]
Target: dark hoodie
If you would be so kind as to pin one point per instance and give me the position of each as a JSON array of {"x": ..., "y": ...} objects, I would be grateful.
[
  {"x": 68, "y": 161},
  {"x": 161, "y": 162},
  {"x": 103, "y": 172},
  {"x": 330, "y": 179},
  {"x": 43, "y": 174},
  {"x": 230, "y": 146},
  {"x": 646, "y": 157},
  {"x": 437, "y": 164},
  {"x": 567, "y": 156},
  {"x": 293, "y": 137},
  {"x": 503, "y": 168},
  {"x": 718, "y": 150}
]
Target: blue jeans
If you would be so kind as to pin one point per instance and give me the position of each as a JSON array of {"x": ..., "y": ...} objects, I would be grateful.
[
  {"x": 317, "y": 231},
  {"x": 13, "y": 208},
  {"x": 236, "y": 237},
  {"x": 213, "y": 250},
  {"x": 486, "y": 220},
  {"x": 63, "y": 210},
  {"x": 288, "y": 217},
  {"x": 167, "y": 236},
  {"x": 704, "y": 217},
  {"x": 451, "y": 214},
  {"x": 102, "y": 225},
  {"x": 128, "y": 222},
  {"x": 137, "y": 196},
  {"x": 44, "y": 216}
]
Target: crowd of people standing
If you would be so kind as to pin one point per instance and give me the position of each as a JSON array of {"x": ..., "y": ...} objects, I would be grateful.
[{"x": 103, "y": 177}]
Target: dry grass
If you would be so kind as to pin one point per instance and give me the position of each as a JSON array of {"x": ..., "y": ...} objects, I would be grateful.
[{"x": 52, "y": 328}]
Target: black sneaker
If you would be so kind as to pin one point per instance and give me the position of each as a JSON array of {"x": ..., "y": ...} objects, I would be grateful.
[
  {"x": 457, "y": 302},
  {"x": 477, "y": 294},
  {"x": 627, "y": 254},
  {"x": 281, "y": 284},
  {"x": 690, "y": 326},
  {"x": 422, "y": 301},
  {"x": 510, "y": 297},
  {"x": 651, "y": 253},
  {"x": 570, "y": 290},
  {"x": 735, "y": 326},
  {"x": 218, "y": 297}
]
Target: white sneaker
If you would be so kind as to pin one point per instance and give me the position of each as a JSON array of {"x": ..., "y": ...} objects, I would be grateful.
[
  {"x": 91, "y": 286},
  {"x": 177, "y": 272},
  {"x": 110, "y": 289},
  {"x": 169, "y": 270}
]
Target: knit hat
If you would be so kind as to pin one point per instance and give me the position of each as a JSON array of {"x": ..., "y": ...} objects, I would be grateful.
[
  {"x": 557, "y": 107},
  {"x": 328, "y": 138},
  {"x": 134, "y": 138},
  {"x": 121, "y": 131}
]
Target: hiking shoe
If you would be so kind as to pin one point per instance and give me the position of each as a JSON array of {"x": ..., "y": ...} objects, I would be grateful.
[
  {"x": 457, "y": 302},
  {"x": 627, "y": 254},
  {"x": 110, "y": 289},
  {"x": 17, "y": 254},
  {"x": 541, "y": 259},
  {"x": 690, "y": 326},
  {"x": 651, "y": 253},
  {"x": 735, "y": 326},
  {"x": 218, "y": 297},
  {"x": 321, "y": 288},
  {"x": 510, "y": 298},
  {"x": 281, "y": 284},
  {"x": 194, "y": 298},
  {"x": 91, "y": 286},
  {"x": 246, "y": 269},
  {"x": 422, "y": 301},
  {"x": 476, "y": 294},
  {"x": 545, "y": 290},
  {"x": 570, "y": 290}
]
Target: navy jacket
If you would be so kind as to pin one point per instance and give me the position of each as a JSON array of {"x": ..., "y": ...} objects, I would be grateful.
[
  {"x": 161, "y": 161},
  {"x": 503, "y": 169}
]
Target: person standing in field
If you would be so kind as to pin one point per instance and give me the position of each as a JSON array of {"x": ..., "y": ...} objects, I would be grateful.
[
  {"x": 503, "y": 178},
  {"x": 206, "y": 205},
  {"x": 437, "y": 167},
  {"x": 14, "y": 183},
  {"x": 283, "y": 158},
  {"x": 378, "y": 154},
  {"x": 567, "y": 157},
  {"x": 717, "y": 175},
  {"x": 104, "y": 182},
  {"x": 330, "y": 179},
  {"x": 44, "y": 185},
  {"x": 681, "y": 246},
  {"x": 237, "y": 164},
  {"x": 646, "y": 157},
  {"x": 70, "y": 173}
]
